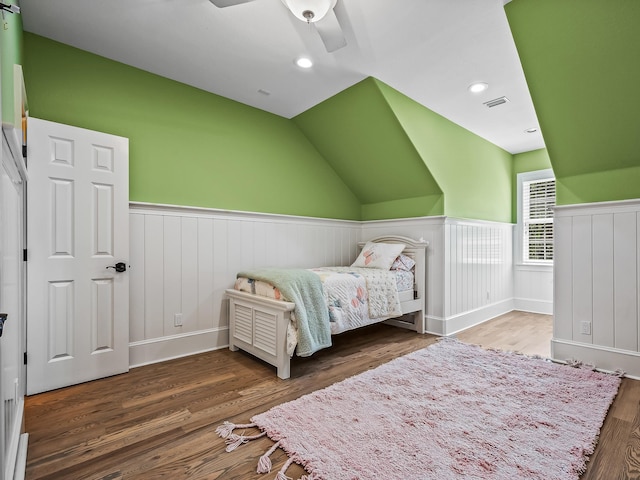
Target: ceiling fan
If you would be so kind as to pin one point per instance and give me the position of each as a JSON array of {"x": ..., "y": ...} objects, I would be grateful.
[{"x": 320, "y": 13}]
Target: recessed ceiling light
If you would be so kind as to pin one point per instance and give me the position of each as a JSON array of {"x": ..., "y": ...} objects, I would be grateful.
[
  {"x": 531, "y": 130},
  {"x": 478, "y": 87},
  {"x": 304, "y": 62}
]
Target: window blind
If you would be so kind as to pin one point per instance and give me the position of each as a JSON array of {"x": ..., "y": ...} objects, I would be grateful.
[{"x": 539, "y": 198}]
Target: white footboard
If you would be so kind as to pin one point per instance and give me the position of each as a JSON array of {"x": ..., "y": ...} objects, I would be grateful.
[{"x": 258, "y": 325}]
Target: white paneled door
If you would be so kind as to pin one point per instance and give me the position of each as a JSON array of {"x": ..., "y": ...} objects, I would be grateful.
[{"x": 77, "y": 232}]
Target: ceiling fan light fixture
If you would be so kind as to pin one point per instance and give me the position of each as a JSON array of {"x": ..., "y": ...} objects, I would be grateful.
[{"x": 309, "y": 10}]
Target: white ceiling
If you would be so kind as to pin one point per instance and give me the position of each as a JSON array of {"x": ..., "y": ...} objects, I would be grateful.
[{"x": 430, "y": 50}]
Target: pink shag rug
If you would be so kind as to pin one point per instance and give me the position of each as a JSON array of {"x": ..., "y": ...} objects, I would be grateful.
[{"x": 449, "y": 411}]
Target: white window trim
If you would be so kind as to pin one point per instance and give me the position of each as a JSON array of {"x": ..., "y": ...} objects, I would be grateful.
[{"x": 519, "y": 250}]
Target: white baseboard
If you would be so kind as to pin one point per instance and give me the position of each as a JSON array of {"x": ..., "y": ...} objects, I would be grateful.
[
  {"x": 12, "y": 450},
  {"x": 462, "y": 321},
  {"x": 465, "y": 320},
  {"x": 21, "y": 458},
  {"x": 156, "y": 350},
  {"x": 435, "y": 325},
  {"x": 604, "y": 358},
  {"x": 533, "y": 306}
]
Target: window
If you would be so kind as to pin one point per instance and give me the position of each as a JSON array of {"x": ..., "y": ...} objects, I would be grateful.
[{"x": 537, "y": 198}]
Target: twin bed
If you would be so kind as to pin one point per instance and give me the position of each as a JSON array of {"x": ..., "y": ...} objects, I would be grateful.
[{"x": 385, "y": 283}]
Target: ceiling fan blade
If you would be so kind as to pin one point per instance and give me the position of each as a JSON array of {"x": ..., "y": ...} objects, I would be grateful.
[
  {"x": 330, "y": 32},
  {"x": 228, "y": 3}
]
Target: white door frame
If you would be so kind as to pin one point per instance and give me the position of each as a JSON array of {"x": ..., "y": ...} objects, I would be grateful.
[{"x": 13, "y": 377}]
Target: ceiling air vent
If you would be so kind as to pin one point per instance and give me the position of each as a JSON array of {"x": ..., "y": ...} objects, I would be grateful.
[{"x": 496, "y": 101}]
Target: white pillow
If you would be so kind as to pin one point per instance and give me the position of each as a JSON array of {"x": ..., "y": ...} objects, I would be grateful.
[{"x": 378, "y": 255}]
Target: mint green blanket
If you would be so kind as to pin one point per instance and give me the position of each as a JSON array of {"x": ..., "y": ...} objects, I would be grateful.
[{"x": 303, "y": 288}]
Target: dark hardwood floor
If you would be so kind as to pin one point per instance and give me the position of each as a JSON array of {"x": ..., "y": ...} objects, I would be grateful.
[{"x": 158, "y": 421}]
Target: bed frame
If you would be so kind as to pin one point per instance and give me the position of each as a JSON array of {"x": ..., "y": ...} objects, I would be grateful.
[{"x": 258, "y": 325}]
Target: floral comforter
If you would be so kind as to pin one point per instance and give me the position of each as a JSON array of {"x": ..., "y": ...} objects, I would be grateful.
[{"x": 355, "y": 297}]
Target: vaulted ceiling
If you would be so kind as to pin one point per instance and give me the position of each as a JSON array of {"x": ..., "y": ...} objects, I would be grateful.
[
  {"x": 429, "y": 50},
  {"x": 583, "y": 71}
]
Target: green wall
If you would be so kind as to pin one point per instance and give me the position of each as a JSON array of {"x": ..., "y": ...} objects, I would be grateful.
[
  {"x": 404, "y": 160},
  {"x": 526, "y": 162},
  {"x": 367, "y": 153},
  {"x": 359, "y": 135},
  {"x": 611, "y": 185},
  {"x": 187, "y": 146},
  {"x": 10, "y": 54},
  {"x": 581, "y": 62},
  {"x": 424, "y": 206},
  {"x": 474, "y": 174}
]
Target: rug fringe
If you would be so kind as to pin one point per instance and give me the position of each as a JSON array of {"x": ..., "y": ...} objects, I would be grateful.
[
  {"x": 281, "y": 475},
  {"x": 227, "y": 428},
  {"x": 264, "y": 463},
  {"x": 234, "y": 440},
  {"x": 573, "y": 362},
  {"x": 442, "y": 339}
]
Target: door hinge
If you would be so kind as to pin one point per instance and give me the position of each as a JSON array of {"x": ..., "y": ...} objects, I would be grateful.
[
  {"x": 24, "y": 254},
  {"x": 24, "y": 358}
]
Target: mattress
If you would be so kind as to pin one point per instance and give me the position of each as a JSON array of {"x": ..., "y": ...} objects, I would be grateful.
[
  {"x": 404, "y": 282},
  {"x": 347, "y": 295}
]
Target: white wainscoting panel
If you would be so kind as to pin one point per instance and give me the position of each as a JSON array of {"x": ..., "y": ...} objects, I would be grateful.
[
  {"x": 533, "y": 288},
  {"x": 597, "y": 285},
  {"x": 183, "y": 259},
  {"x": 479, "y": 271},
  {"x": 469, "y": 268}
]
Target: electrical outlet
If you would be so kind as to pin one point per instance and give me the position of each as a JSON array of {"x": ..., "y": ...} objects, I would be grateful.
[
  {"x": 585, "y": 328},
  {"x": 177, "y": 320}
]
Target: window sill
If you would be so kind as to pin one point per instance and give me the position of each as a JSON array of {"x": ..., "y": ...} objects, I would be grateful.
[{"x": 534, "y": 266}]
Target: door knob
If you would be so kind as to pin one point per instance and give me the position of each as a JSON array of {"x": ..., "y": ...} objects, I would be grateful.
[{"x": 119, "y": 267}]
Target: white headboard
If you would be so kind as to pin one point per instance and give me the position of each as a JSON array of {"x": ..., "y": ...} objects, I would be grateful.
[{"x": 415, "y": 249}]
